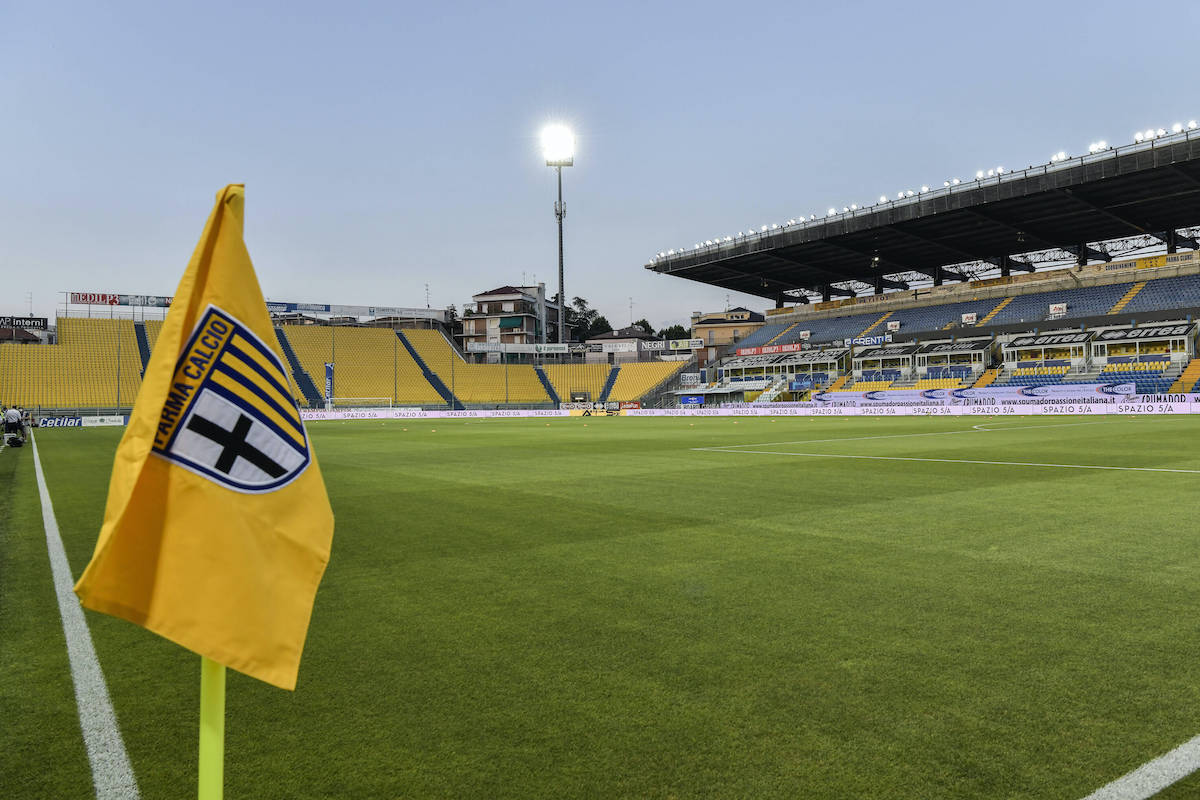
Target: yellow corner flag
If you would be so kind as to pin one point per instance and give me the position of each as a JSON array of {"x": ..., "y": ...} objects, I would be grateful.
[{"x": 217, "y": 528}]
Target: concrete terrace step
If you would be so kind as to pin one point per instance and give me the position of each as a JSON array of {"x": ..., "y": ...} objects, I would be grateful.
[{"x": 1124, "y": 301}]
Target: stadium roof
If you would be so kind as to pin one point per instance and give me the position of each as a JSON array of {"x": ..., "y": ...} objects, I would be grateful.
[{"x": 1149, "y": 188}]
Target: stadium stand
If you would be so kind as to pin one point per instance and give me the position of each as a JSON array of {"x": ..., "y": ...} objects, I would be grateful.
[
  {"x": 299, "y": 381},
  {"x": 1164, "y": 293},
  {"x": 1083, "y": 302},
  {"x": 1189, "y": 379},
  {"x": 783, "y": 333},
  {"x": 1127, "y": 297},
  {"x": 569, "y": 378},
  {"x": 1148, "y": 374},
  {"x": 368, "y": 362},
  {"x": 635, "y": 380},
  {"x": 96, "y": 364},
  {"x": 763, "y": 335},
  {"x": 153, "y": 328},
  {"x": 987, "y": 378},
  {"x": 476, "y": 383},
  {"x": 939, "y": 383},
  {"x": 139, "y": 331}
]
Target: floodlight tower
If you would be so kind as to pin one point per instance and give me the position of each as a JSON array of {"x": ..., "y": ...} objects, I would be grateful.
[{"x": 558, "y": 147}]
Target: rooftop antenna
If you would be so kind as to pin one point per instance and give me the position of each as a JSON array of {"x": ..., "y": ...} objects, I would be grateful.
[
  {"x": 726, "y": 302},
  {"x": 631, "y": 312},
  {"x": 427, "y": 295}
]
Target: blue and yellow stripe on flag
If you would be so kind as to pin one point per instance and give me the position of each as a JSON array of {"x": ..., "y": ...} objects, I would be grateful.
[{"x": 217, "y": 528}]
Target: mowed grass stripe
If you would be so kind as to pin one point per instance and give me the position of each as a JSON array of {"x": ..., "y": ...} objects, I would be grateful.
[
  {"x": 607, "y": 613},
  {"x": 111, "y": 774},
  {"x": 43, "y": 753}
]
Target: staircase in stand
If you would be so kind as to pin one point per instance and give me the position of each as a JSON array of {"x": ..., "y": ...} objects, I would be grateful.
[
  {"x": 876, "y": 324},
  {"x": 139, "y": 330},
  {"x": 987, "y": 378},
  {"x": 774, "y": 390},
  {"x": 1187, "y": 379},
  {"x": 547, "y": 385},
  {"x": 988, "y": 317},
  {"x": 839, "y": 383},
  {"x": 1124, "y": 301},
  {"x": 608, "y": 384},
  {"x": 783, "y": 333},
  {"x": 429, "y": 374},
  {"x": 303, "y": 381}
]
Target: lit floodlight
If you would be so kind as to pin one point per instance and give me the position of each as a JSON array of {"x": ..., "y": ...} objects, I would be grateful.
[
  {"x": 883, "y": 198},
  {"x": 1103, "y": 145},
  {"x": 955, "y": 181},
  {"x": 1192, "y": 125},
  {"x": 1161, "y": 132},
  {"x": 558, "y": 146},
  {"x": 831, "y": 212},
  {"x": 853, "y": 207},
  {"x": 812, "y": 217},
  {"x": 671, "y": 252},
  {"x": 1177, "y": 127},
  {"x": 924, "y": 188},
  {"x": 991, "y": 173},
  {"x": 945, "y": 183},
  {"x": 1137, "y": 136},
  {"x": 774, "y": 226},
  {"x": 979, "y": 174},
  {"x": 900, "y": 195},
  {"x": 909, "y": 193},
  {"x": 845, "y": 209},
  {"x": 764, "y": 227}
]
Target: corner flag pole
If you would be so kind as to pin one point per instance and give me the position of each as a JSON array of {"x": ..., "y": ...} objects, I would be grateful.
[{"x": 212, "y": 730}]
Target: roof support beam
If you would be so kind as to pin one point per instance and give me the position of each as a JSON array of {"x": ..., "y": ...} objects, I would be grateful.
[
  {"x": 1031, "y": 234},
  {"x": 1081, "y": 197},
  {"x": 958, "y": 252},
  {"x": 780, "y": 255},
  {"x": 1175, "y": 240},
  {"x": 1007, "y": 264},
  {"x": 879, "y": 267}
]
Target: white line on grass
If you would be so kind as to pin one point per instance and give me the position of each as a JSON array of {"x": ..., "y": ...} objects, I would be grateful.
[
  {"x": 1152, "y": 777},
  {"x": 972, "y": 429},
  {"x": 112, "y": 774},
  {"x": 951, "y": 460}
]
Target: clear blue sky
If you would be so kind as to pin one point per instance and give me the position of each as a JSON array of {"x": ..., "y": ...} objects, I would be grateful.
[{"x": 386, "y": 145}]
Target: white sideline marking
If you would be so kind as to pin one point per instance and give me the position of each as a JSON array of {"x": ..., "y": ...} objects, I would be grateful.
[
  {"x": 972, "y": 429},
  {"x": 951, "y": 460},
  {"x": 112, "y": 774},
  {"x": 1152, "y": 777}
]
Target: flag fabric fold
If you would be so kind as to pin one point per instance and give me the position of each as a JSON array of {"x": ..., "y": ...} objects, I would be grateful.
[{"x": 217, "y": 528}]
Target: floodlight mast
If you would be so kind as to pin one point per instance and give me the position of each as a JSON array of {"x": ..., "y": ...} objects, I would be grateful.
[{"x": 558, "y": 146}]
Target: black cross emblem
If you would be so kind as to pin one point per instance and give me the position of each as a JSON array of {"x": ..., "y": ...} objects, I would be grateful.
[{"x": 234, "y": 444}]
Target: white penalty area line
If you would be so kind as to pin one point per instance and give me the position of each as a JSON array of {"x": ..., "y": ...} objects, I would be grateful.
[
  {"x": 112, "y": 774},
  {"x": 1153, "y": 776}
]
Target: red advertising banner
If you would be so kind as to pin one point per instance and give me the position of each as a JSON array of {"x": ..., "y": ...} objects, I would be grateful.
[
  {"x": 630, "y": 405},
  {"x": 771, "y": 349},
  {"x": 96, "y": 298}
]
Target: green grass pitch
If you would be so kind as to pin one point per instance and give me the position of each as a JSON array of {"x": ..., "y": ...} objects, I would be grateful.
[{"x": 593, "y": 608}]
